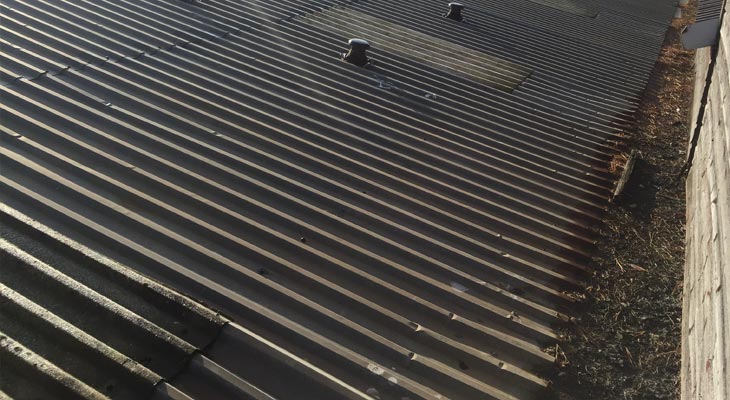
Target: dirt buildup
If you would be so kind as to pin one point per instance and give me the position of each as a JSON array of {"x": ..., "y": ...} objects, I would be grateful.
[{"x": 625, "y": 343}]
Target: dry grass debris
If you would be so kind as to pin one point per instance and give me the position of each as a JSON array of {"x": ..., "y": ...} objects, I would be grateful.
[{"x": 625, "y": 342}]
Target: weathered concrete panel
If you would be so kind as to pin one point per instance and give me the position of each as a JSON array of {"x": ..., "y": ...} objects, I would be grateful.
[{"x": 706, "y": 314}]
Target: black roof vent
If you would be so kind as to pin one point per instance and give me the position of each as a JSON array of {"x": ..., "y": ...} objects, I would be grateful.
[
  {"x": 356, "y": 55},
  {"x": 455, "y": 11}
]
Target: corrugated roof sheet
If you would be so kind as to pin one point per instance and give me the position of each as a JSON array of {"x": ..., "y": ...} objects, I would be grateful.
[
  {"x": 407, "y": 231},
  {"x": 75, "y": 324},
  {"x": 709, "y": 9}
]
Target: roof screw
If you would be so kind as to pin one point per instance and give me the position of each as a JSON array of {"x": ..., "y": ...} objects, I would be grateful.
[
  {"x": 455, "y": 11},
  {"x": 356, "y": 55}
]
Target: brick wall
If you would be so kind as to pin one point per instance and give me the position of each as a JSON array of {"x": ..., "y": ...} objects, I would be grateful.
[{"x": 706, "y": 308}]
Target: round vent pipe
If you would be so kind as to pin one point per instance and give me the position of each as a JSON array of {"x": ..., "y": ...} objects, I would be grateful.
[
  {"x": 356, "y": 54},
  {"x": 455, "y": 11}
]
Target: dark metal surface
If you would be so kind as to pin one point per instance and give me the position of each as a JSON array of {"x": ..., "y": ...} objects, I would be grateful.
[
  {"x": 399, "y": 231},
  {"x": 75, "y": 324},
  {"x": 709, "y": 9}
]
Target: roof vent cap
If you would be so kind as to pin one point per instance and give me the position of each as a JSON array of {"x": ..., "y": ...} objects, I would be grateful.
[
  {"x": 455, "y": 11},
  {"x": 356, "y": 54}
]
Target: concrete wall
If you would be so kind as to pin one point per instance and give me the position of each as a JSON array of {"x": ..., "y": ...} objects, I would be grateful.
[{"x": 706, "y": 308}]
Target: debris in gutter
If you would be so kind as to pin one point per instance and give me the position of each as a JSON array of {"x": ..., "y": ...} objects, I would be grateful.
[
  {"x": 624, "y": 341},
  {"x": 626, "y": 174}
]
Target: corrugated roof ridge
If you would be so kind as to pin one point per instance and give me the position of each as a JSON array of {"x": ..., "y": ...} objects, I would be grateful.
[
  {"x": 44, "y": 272},
  {"x": 334, "y": 346},
  {"x": 409, "y": 152},
  {"x": 103, "y": 56},
  {"x": 468, "y": 298},
  {"x": 15, "y": 352},
  {"x": 507, "y": 237},
  {"x": 83, "y": 344},
  {"x": 483, "y": 39},
  {"x": 347, "y": 95},
  {"x": 10, "y": 215}
]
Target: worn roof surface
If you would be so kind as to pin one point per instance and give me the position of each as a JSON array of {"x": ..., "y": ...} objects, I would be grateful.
[
  {"x": 75, "y": 324},
  {"x": 408, "y": 230}
]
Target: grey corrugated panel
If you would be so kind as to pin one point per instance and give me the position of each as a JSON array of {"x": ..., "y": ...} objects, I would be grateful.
[
  {"x": 176, "y": 83},
  {"x": 437, "y": 26},
  {"x": 42, "y": 318},
  {"x": 709, "y": 9},
  {"x": 552, "y": 21},
  {"x": 401, "y": 229},
  {"x": 393, "y": 64},
  {"x": 167, "y": 309},
  {"x": 550, "y": 55},
  {"x": 27, "y": 375},
  {"x": 118, "y": 101},
  {"x": 212, "y": 380},
  {"x": 423, "y": 80},
  {"x": 84, "y": 325},
  {"x": 332, "y": 347},
  {"x": 396, "y": 8},
  {"x": 274, "y": 271},
  {"x": 303, "y": 50},
  {"x": 508, "y": 29},
  {"x": 425, "y": 49},
  {"x": 570, "y": 6},
  {"x": 230, "y": 68}
]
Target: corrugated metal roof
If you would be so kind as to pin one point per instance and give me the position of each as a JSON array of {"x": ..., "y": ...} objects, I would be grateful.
[
  {"x": 709, "y": 9},
  {"x": 406, "y": 231},
  {"x": 75, "y": 324}
]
